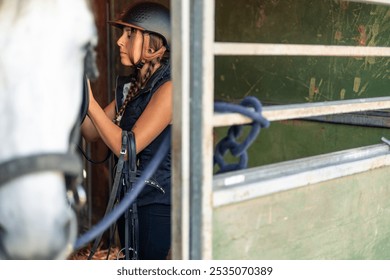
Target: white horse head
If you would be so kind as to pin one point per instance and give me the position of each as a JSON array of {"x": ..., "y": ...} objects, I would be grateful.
[{"x": 42, "y": 49}]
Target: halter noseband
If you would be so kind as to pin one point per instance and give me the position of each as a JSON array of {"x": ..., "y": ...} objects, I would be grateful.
[{"x": 69, "y": 164}]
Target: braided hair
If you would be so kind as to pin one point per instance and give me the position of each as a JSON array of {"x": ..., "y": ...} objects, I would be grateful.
[{"x": 151, "y": 41}]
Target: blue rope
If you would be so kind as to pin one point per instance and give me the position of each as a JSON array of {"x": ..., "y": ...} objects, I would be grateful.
[
  {"x": 128, "y": 199},
  {"x": 230, "y": 141}
]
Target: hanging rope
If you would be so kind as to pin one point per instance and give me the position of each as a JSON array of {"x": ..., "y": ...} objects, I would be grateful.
[{"x": 230, "y": 142}]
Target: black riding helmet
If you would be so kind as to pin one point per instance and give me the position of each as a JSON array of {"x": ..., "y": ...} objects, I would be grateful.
[{"x": 147, "y": 16}]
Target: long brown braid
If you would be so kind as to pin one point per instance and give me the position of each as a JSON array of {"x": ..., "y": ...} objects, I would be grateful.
[{"x": 151, "y": 41}]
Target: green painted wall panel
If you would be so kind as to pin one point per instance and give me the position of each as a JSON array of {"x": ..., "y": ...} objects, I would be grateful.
[
  {"x": 286, "y": 80},
  {"x": 345, "y": 218},
  {"x": 302, "y": 79},
  {"x": 295, "y": 139}
]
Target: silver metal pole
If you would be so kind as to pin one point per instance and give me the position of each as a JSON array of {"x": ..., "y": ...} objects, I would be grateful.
[
  {"x": 180, "y": 15},
  {"x": 201, "y": 128}
]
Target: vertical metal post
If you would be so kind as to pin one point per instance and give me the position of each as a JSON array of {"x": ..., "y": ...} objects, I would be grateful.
[
  {"x": 201, "y": 127},
  {"x": 193, "y": 80},
  {"x": 180, "y": 16}
]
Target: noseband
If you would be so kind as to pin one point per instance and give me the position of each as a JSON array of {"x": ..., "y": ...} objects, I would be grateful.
[{"x": 69, "y": 164}]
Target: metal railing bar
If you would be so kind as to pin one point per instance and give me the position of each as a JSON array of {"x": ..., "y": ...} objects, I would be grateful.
[
  {"x": 255, "y": 182},
  {"x": 297, "y": 111},
  {"x": 378, "y": 2},
  {"x": 267, "y": 49}
]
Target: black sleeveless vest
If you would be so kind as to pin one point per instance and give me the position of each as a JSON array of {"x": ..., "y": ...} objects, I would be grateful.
[{"x": 133, "y": 111}]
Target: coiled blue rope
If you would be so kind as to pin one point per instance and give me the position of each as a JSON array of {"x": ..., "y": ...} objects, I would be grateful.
[{"x": 230, "y": 142}]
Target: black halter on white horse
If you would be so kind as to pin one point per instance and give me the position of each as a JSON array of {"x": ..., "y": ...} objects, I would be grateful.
[
  {"x": 41, "y": 69},
  {"x": 67, "y": 163}
]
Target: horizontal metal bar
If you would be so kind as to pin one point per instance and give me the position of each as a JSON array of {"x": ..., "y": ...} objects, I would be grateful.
[
  {"x": 297, "y": 111},
  {"x": 378, "y": 2},
  {"x": 366, "y": 119},
  {"x": 255, "y": 182},
  {"x": 297, "y": 50}
]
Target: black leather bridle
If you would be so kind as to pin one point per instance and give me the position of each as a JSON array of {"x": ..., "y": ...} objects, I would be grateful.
[{"x": 67, "y": 163}]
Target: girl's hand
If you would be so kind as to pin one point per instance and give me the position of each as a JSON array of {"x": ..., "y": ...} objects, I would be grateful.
[
  {"x": 90, "y": 94},
  {"x": 92, "y": 100}
]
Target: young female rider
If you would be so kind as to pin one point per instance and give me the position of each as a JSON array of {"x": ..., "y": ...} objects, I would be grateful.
[{"x": 143, "y": 105}]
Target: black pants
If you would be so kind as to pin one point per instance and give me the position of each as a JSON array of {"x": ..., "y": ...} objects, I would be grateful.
[{"x": 154, "y": 231}]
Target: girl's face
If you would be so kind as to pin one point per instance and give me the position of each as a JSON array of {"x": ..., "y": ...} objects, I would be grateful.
[{"x": 126, "y": 47}]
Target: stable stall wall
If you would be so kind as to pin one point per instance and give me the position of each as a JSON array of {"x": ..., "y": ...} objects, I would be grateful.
[
  {"x": 343, "y": 218},
  {"x": 291, "y": 80}
]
